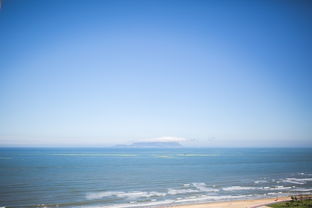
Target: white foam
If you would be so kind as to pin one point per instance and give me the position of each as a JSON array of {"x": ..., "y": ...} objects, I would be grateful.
[
  {"x": 186, "y": 185},
  {"x": 181, "y": 191},
  {"x": 170, "y": 202},
  {"x": 306, "y": 174},
  {"x": 277, "y": 188},
  {"x": 128, "y": 205},
  {"x": 239, "y": 188},
  {"x": 203, "y": 187},
  {"x": 243, "y": 188},
  {"x": 197, "y": 187},
  {"x": 102, "y": 194},
  {"x": 273, "y": 193},
  {"x": 260, "y": 181},
  {"x": 302, "y": 189},
  {"x": 121, "y": 194},
  {"x": 299, "y": 181},
  {"x": 139, "y": 194},
  {"x": 211, "y": 198},
  {"x": 277, "y": 194}
]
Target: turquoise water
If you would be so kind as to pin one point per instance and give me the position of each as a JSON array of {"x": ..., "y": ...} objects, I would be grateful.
[{"x": 107, "y": 177}]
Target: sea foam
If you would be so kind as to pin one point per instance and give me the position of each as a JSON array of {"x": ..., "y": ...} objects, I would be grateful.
[
  {"x": 239, "y": 188},
  {"x": 121, "y": 194},
  {"x": 140, "y": 204},
  {"x": 203, "y": 187},
  {"x": 299, "y": 181}
]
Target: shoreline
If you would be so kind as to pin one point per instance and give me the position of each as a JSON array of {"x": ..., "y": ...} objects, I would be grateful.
[{"x": 248, "y": 203}]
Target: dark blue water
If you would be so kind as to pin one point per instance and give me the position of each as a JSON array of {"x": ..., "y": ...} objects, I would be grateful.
[{"x": 147, "y": 177}]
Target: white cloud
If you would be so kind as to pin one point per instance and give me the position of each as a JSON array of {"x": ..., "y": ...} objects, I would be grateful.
[{"x": 165, "y": 139}]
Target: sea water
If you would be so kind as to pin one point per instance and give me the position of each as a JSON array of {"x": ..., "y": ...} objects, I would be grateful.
[{"x": 116, "y": 177}]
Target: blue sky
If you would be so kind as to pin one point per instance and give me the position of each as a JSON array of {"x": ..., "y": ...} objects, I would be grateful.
[{"x": 213, "y": 73}]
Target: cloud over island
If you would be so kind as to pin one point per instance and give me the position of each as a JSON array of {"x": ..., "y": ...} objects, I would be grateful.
[{"x": 158, "y": 142}]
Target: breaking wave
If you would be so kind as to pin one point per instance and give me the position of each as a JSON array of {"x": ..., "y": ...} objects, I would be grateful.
[{"x": 299, "y": 181}]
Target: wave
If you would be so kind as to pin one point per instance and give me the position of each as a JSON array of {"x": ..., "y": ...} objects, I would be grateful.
[
  {"x": 121, "y": 194},
  {"x": 243, "y": 188},
  {"x": 186, "y": 185},
  {"x": 273, "y": 193},
  {"x": 198, "y": 191},
  {"x": 239, "y": 188},
  {"x": 305, "y": 174},
  {"x": 142, "y": 204},
  {"x": 181, "y": 191},
  {"x": 203, "y": 187},
  {"x": 212, "y": 198},
  {"x": 299, "y": 181},
  {"x": 277, "y": 188},
  {"x": 302, "y": 189},
  {"x": 196, "y": 188},
  {"x": 188, "y": 188},
  {"x": 176, "y": 201},
  {"x": 260, "y": 181}
]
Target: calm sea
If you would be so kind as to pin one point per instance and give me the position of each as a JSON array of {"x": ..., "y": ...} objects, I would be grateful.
[{"x": 107, "y": 177}]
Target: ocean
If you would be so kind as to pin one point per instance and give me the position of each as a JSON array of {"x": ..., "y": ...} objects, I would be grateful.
[{"x": 121, "y": 178}]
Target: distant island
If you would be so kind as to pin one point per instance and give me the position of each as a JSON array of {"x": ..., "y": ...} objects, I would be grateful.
[{"x": 151, "y": 145}]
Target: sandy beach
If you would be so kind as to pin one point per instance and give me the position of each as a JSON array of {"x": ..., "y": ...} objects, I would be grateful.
[{"x": 256, "y": 203}]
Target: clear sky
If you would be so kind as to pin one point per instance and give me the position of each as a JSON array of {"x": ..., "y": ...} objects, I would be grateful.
[{"x": 212, "y": 73}]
